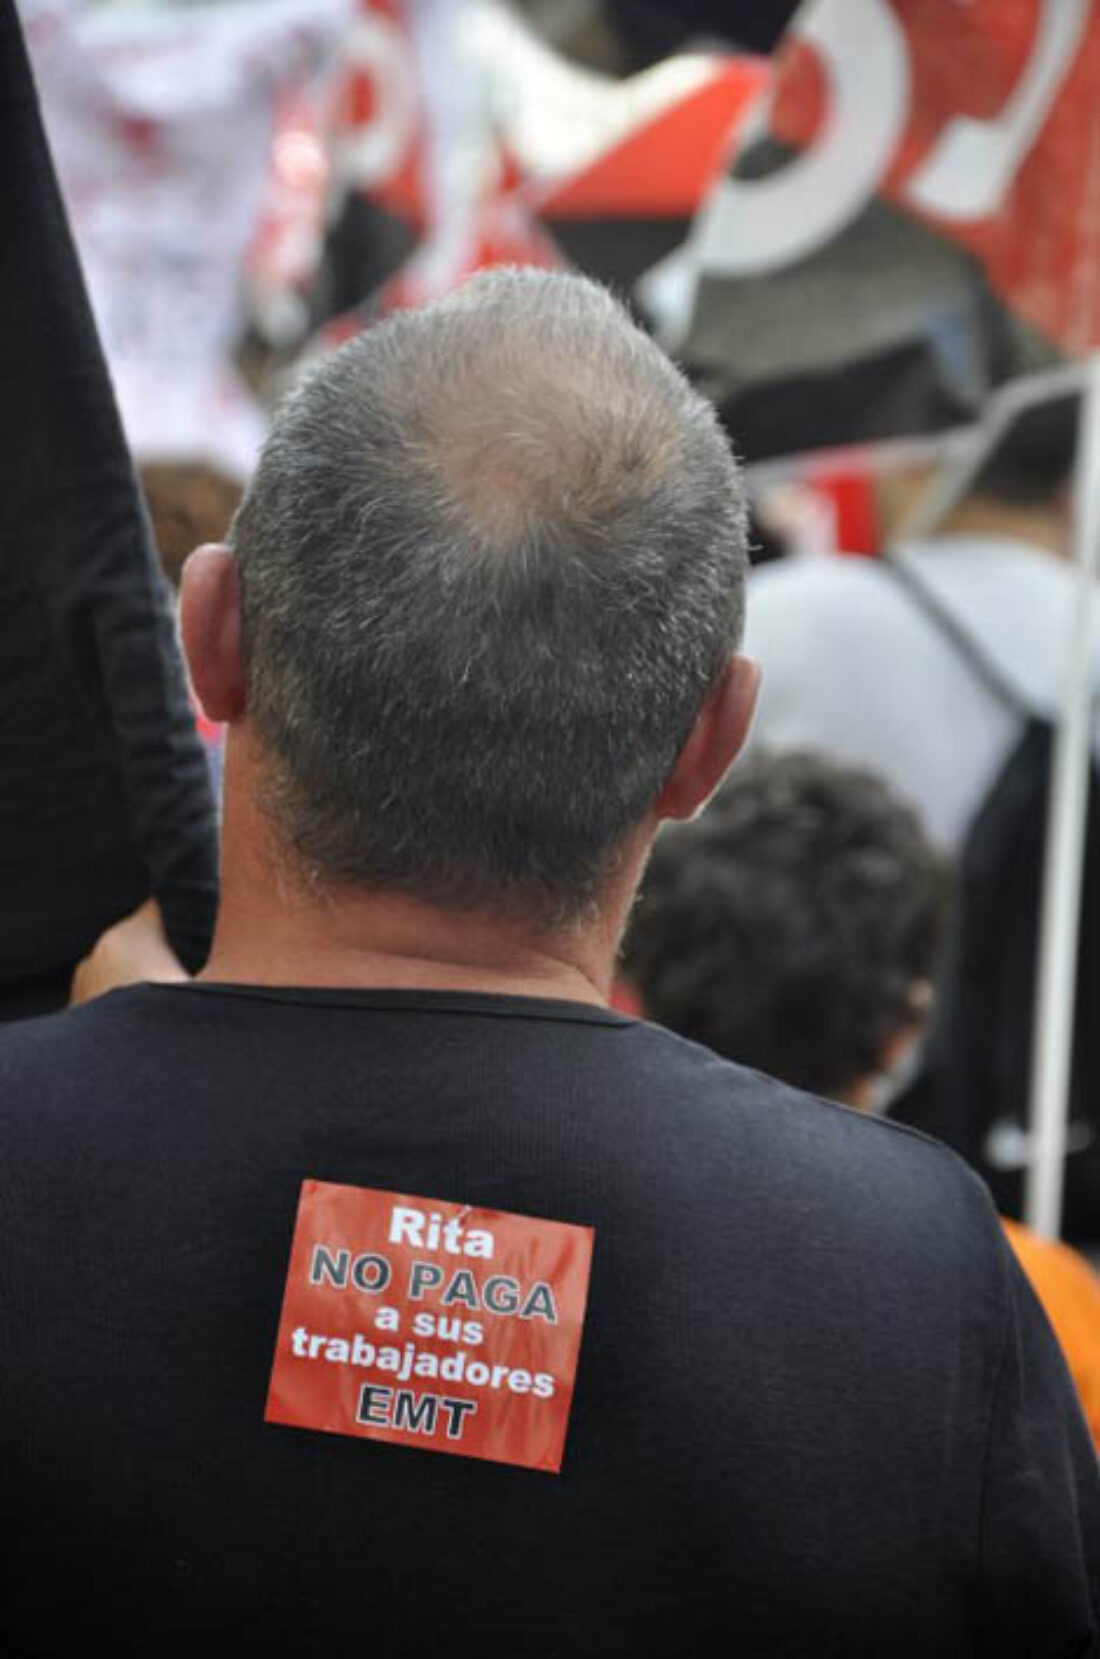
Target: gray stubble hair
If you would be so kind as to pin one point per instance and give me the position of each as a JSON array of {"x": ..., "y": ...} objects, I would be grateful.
[{"x": 491, "y": 562}]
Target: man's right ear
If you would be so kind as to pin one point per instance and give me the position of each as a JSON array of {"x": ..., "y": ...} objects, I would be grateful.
[
  {"x": 715, "y": 741},
  {"x": 210, "y": 622}
]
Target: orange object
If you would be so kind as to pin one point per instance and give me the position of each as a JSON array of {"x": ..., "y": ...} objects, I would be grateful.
[
  {"x": 431, "y": 1324},
  {"x": 1070, "y": 1293}
]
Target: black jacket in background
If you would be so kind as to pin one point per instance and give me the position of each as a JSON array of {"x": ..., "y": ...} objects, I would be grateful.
[{"x": 104, "y": 794}]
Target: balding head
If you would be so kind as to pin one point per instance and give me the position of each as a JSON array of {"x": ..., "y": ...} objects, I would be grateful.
[{"x": 491, "y": 564}]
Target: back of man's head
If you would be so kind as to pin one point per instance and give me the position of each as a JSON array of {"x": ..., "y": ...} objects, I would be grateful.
[
  {"x": 1031, "y": 464},
  {"x": 491, "y": 564}
]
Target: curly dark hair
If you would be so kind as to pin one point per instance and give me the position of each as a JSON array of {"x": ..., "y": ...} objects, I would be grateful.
[{"x": 788, "y": 927}]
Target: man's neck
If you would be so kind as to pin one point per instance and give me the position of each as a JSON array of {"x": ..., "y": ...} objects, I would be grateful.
[
  {"x": 384, "y": 940},
  {"x": 1043, "y": 526},
  {"x": 276, "y": 928}
]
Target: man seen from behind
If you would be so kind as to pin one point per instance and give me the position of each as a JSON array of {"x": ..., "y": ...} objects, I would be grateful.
[{"x": 475, "y": 638}]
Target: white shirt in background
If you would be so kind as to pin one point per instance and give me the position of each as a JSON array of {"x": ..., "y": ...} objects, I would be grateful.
[{"x": 854, "y": 667}]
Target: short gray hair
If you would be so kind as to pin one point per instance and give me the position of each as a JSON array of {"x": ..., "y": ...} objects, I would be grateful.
[{"x": 491, "y": 563}]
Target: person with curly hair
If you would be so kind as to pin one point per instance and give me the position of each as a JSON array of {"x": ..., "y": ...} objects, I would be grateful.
[{"x": 794, "y": 927}]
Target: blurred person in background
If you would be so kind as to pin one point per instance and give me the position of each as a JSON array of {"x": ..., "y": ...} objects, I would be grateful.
[
  {"x": 475, "y": 638},
  {"x": 190, "y": 502},
  {"x": 941, "y": 667},
  {"x": 856, "y": 667},
  {"x": 796, "y": 927}
]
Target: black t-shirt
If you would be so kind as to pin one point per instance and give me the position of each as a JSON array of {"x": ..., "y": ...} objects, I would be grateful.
[{"x": 817, "y": 1409}]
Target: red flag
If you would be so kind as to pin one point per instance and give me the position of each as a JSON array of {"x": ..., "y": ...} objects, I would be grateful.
[{"x": 909, "y": 224}]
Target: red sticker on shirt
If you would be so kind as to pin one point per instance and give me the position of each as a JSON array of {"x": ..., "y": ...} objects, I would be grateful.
[{"x": 431, "y": 1324}]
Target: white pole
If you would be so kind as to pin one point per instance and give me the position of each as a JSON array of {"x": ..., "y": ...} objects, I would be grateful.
[{"x": 1056, "y": 979}]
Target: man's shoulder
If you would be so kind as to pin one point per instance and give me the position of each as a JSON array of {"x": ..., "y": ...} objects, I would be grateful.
[
  {"x": 820, "y": 1159},
  {"x": 729, "y": 1096},
  {"x": 29, "y": 1043},
  {"x": 50, "y": 1064}
]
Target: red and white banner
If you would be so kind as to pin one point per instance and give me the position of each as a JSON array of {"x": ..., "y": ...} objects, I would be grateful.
[{"x": 913, "y": 208}]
